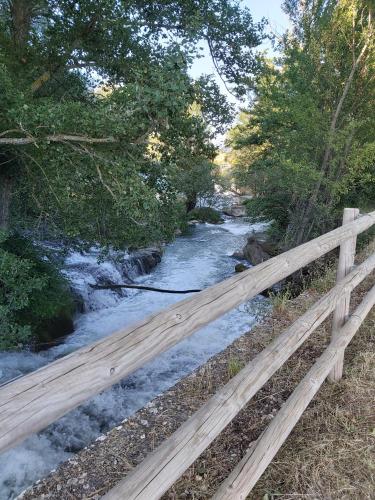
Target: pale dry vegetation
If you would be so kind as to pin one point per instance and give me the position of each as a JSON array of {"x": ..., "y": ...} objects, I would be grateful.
[{"x": 331, "y": 452}]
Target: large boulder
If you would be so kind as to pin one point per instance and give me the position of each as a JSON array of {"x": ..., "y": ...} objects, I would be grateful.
[
  {"x": 239, "y": 268},
  {"x": 258, "y": 249},
  {"x": 53, "y": 330},
  {"x": 146, "y": 259},
  {"x": 254, "y": 252},
  {"x": 235, "y": 211}
]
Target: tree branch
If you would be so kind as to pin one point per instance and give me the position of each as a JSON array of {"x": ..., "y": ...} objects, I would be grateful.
[
  {"x": 332, "y": 129},
  {"x": 210, "y": 46},
  {"x": 21, "y": 141},
  {"x": 45, "y": 77}
]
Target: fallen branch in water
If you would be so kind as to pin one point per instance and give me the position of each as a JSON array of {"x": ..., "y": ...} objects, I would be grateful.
[{"x": 140, "y": 287}]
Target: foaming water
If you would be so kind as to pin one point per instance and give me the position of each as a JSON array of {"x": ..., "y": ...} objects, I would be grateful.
[{"x": 197, "y": 260}]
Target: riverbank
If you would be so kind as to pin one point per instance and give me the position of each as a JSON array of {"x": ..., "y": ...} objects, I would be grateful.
[{"x": 327, "y": 455}]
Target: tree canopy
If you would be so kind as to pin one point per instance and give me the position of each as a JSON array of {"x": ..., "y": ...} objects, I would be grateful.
[
  {"x": 306, "y": 146},
  {"x": 69, "y": 150}
]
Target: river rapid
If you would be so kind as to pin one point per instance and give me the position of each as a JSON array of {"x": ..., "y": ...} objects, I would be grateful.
[{"x": 195, "y": 260}]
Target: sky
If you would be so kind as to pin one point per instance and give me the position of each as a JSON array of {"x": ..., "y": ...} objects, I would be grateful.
[{"x": 278, "y": 23}]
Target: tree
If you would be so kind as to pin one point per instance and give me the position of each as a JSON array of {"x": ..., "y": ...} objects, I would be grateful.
[
  {"x": 304, "y": 138},
  {"x": 89, "y": 154}
]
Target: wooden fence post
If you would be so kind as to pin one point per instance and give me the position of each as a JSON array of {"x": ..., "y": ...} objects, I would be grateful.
[{"x": 341, "y": 312}]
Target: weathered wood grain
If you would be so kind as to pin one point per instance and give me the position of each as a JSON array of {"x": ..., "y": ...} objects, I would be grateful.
[
  {"x": 32, "y": 402},
  {"x": 245, "y": 475},
  {"x": 163, "y": 467},
  {"x": 341, "y": 312}
]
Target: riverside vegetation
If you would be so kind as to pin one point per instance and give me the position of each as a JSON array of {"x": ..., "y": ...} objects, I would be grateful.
[{"x": 104, "y": 137}]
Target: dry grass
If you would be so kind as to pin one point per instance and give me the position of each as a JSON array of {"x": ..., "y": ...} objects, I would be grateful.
[
  {"x": 280, "y": 300},
  {"x": 331, "y": 452},
  {"x": 235, "y": 365}
]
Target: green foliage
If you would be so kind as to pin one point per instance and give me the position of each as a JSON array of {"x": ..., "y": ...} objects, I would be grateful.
[
  {"x": 234, "y": 366},
  {"x": 279, "y": 300},
  {"x": 205, "y": 214},
  {"x": 113, "y": 70},
  {"x": 32, "y": 292},
  {"x": 102, "y": 92},
  {"x": 306, "y": 147}
]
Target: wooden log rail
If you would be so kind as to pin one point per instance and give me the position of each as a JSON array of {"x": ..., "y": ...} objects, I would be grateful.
[{"x": 30, "y": 403}]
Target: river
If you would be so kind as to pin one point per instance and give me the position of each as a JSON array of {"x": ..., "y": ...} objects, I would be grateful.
[{"x": 195, "y": 260}]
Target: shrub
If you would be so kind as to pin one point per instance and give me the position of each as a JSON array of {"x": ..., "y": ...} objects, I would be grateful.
[
  {"x": 234, "y": 366},
  {"x": 205, "y": 214},
  {"x": 33, "y": 295},
  {"x": 279, "y": 300}
]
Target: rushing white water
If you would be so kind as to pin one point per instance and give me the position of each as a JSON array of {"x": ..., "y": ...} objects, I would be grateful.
[{"x": 196, "y": 260}]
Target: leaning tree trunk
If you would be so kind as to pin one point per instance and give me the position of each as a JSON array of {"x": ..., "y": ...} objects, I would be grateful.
[{"x": 5, "y": 200}]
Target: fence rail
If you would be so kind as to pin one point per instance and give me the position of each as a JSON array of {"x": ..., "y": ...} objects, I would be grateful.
[{"x": 30, "y": 403}]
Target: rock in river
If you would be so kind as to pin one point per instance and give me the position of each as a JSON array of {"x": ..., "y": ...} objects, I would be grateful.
[{"x": 235, "y": 211}]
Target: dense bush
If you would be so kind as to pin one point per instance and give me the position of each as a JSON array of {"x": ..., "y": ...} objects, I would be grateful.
[
  {"x": 33, "y": 295},
  {"x": 205, "y": 214}
]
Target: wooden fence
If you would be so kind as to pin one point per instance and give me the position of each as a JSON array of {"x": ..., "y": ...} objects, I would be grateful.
[{"x": 30, "y": 403}]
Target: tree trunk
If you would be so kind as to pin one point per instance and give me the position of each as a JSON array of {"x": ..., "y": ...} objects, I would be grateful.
[
  {"x": 6, "y": 184},
  {"x": 191, "y": 201}
]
